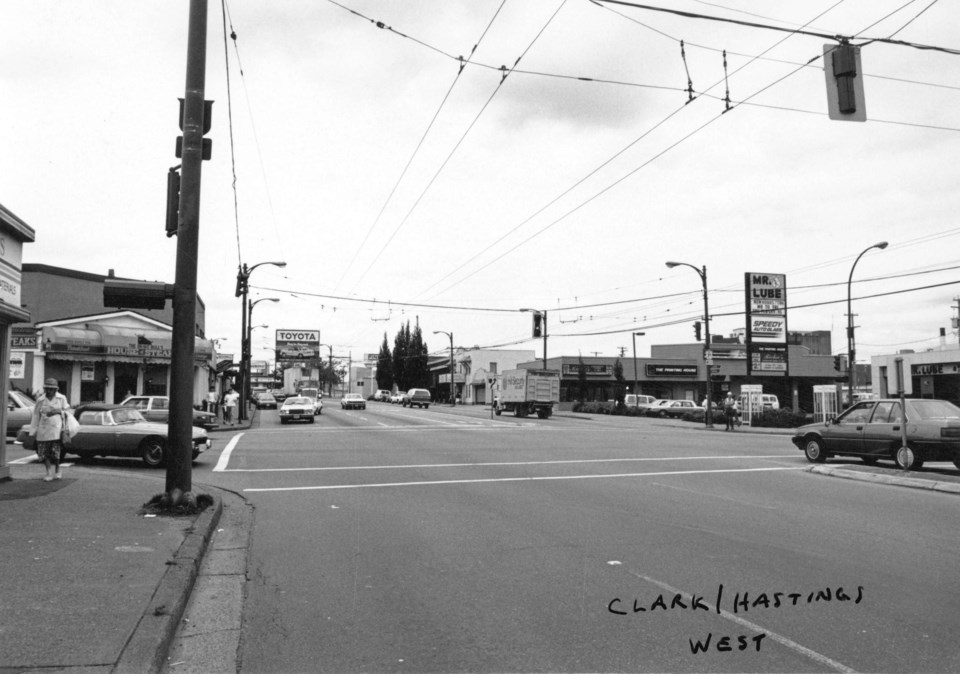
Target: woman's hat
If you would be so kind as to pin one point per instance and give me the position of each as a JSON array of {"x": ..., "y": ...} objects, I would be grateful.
[{"x": 51, "y": 383}]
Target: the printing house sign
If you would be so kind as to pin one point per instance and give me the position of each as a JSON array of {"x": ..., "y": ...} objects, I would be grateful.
[{"x": 766, "y": 310}]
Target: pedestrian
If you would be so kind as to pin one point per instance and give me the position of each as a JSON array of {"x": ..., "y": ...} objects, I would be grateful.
[
  {"x": 212, "y": 400},
  {"x": 230, "y": 402},
  {"x": 730, "y": 411},
  {"x": 47, "y": 422}
]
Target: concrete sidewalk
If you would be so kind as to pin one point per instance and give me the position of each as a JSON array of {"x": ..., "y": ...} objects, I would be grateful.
[{"x": 93, "y": 581}]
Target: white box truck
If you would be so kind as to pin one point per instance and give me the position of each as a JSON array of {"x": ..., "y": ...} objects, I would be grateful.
[{"x": 526, "y": 392}]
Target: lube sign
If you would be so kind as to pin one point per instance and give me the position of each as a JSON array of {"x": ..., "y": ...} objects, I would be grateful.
[{"x": 766, "y": 311}]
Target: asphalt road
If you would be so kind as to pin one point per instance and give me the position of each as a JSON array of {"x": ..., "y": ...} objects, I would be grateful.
[{"x": 437, "y": 540}]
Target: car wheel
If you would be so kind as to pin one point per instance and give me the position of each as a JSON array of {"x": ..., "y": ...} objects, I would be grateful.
[
  {"x": 312, "y": 419},
  {"x": 813, "y": 450},
  {"x": 662, "y": 414},
  {"x": 426, "y": 407},
  {"x": 905, "y": 458},
  {"x": 152, "y": 452}
]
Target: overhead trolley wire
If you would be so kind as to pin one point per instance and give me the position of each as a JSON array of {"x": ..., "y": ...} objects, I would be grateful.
[
  {"x": 463, "y": 63},
  {"x": 505, "y": 73}
]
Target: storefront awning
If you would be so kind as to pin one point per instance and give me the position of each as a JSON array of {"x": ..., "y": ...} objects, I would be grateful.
[{"x": 96, "y": 343}]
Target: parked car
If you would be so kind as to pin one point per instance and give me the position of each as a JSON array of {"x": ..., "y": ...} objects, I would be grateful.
[
  {"x": 353, "y": 401},
  {"x": 397, "y": 398},
  {"x": 157, "y": 409},
  {"x": 770, "y": 402},
  {"x": 634, "y": 400},
  {"x": 677, "y": 408},
  {"x": 297, "y": 408},
  {"x": 120, "y": 430},
  {"x": 266, "y": 401},
  {"x": 417, "y": 396},
  {"x": 19, "y": 411},
  {"x": 653, "y": 407},
  {"x": 872, "y": 430},
  {"x": 382, "y": 395}
]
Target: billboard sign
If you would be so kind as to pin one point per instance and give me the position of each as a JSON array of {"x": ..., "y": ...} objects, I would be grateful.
[
  {"x": 766, "y": 312},
  {"x": 297, "y": 344}
]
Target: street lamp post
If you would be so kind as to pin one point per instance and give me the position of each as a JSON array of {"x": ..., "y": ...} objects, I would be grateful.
[
  {"x": 702, "y": 272},
  {"x": 243, "y": 283},
  {"x": 851, "y": 346},
  {"x": 543, "y": 329},
  {"x": 636, "y": 376},
  {"x": 245, "y": 393},
  {"x": 453, "y": 389}
]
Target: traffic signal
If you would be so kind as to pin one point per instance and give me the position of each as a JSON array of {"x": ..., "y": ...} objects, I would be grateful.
[
  {"x": 697, "y": 331},
  {"x": 537, "y": 324},
  {"x": 136, "y": 294},
  {"x": 173, "y": 202},
  {"x": 836, "y": 363},
  {"x": 844, "y": 75}
]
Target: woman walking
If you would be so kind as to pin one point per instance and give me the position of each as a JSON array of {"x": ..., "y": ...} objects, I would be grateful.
[{"x": 47, "y": 422}]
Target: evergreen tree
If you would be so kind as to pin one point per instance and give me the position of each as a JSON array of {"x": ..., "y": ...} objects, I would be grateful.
[
  {"x": 385, "y": 366},
  {"x": 400, "y": 347},
  {"x": 417, "y": 360}
]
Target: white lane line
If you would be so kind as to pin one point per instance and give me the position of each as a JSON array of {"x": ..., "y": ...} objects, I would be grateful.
[
  {"x": 225, "y": 454},
  {"x": 789, "y": 643},
  {"x": 482, "y": 464},
  {"x": 27, "y": 459},
  {"x": 516, "y": 479}
]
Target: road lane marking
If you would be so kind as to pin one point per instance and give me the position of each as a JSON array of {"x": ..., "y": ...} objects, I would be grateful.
[
  {"x": 225, "y": 454},
  {"x": 482, "y": 464},
  {"x": 782, "y": 640},
  {"x": 516, "y": 479}
]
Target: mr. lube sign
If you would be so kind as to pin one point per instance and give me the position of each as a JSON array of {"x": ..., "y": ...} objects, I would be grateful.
[{"x": 766, "y": 309}]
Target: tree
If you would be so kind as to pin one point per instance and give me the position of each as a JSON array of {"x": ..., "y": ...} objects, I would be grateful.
[
  {"x": 385, "y": 366},
  {"x": 620, "y": 384},
  {"x": 419, "y": 376},
  {"x": 582, "y": 380},
  {"x": 400, "y": 348}
]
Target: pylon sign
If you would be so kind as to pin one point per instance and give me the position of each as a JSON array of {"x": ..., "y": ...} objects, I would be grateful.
[{"x": 766, "y": 311}]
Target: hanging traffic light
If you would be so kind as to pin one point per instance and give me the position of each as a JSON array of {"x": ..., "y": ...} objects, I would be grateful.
[
  {"x": 836, "y": 363},
  {"x": 173, "y": 201},
  {"x": 697, "y": 330},
  {"x": 537, "y": 324},
  {"x": 844, "y": 76}
]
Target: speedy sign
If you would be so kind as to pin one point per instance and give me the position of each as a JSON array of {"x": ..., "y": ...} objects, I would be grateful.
[{"x": 766, "y": 309}]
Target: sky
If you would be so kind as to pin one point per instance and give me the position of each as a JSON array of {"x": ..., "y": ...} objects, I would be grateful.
[{"x": 575, "y": 148}]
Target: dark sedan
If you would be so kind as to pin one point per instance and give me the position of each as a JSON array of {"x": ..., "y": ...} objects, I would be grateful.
[
  {"x": 872, "y": 430},
  {"x": 117, "y": 430},
  {"x": 266, "y": 401}
]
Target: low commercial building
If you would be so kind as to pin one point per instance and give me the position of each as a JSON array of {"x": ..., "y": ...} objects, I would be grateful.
[{"x": 927, "y": 374}]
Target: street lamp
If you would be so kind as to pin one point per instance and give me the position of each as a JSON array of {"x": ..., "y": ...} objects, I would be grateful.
[
  {"x": 453, "y": 397},
  {"x": 851, "y": 347},
  {"x": 543, "y": 328},
  {"x": 636, "y": 377},
  {"x": 250, "y": 305},
  {"x": 707, "y": 356},
  {"x": 243, "y": 283}
]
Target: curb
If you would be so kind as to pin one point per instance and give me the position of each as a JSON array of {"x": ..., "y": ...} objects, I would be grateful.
[
  {"x": 147, "y": 648},
  {"x": 895, "y": 480}
]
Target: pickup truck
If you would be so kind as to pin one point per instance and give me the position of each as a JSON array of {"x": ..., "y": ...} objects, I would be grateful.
[{"x": 157, "y": 408}]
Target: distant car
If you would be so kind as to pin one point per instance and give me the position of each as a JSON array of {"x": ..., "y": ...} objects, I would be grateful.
[
  {"x": 677, "y": 408},
  {"x": 157, "y": 409},
  {"x": 770, "y": 402},
  {"x": 872, "y": 430},
  {"x": 653, "y": 407},
  {"x": 633, "y": 400},
  {"x": 266, "y": 401},
  {"x": 417, "y": 396},
  {"x": 353, "y": 401},
  {"x": 19, "y": 411},
  {"x": 382, "y": 395},
  {"x": 119, "y": 430},
  {"x": 316, "y": 397},
  {"x": 397, "y": 398},
  {"x": 297, "y": 408}
]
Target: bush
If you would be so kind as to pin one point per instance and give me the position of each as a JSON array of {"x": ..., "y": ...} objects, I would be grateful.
[{"x": 783, "y": 418}]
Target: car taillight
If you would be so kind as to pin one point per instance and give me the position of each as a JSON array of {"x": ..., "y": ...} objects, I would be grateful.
[{"x": 950, "y": 432}]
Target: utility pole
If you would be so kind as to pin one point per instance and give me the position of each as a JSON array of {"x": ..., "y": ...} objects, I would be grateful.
[
  {"x": 956, "y": 321},
  {"x": 180, "y": 425}
]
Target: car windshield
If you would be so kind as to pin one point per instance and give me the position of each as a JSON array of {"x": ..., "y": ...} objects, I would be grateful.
[
  {"x": 266, "y": 396},
  {"x": 934, "y": 409},
  {"x": 21, "y": 399},
  {"x": 296, "y": 401},
  {"x": 127, "y": 416}
]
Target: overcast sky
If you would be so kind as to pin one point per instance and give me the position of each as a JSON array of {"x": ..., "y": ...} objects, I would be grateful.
[{"x": 365, "y": 160}]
